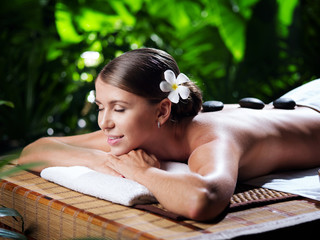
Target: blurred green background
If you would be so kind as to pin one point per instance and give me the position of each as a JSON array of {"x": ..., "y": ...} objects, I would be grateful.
[{"x": 52, "y": 50}]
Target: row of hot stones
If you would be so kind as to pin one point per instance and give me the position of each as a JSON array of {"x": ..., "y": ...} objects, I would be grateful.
[{"x": 250, "y": 102}]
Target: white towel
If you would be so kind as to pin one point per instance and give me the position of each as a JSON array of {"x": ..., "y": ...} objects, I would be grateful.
[
  {"x": 127, "y": 192},
  {"x": 115, "y": 189},
  {"x": 306, "y": 95},
  {"x": 304, "y": 183}
]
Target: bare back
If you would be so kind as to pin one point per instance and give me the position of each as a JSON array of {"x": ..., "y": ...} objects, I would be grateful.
[{"x": 269, "y": 139}]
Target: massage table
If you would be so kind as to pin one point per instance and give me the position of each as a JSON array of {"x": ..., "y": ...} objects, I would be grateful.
[{"x": 51, "y": 211}]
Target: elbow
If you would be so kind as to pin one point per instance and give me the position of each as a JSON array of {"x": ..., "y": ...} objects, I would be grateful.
[
  {"x": 23, "y": 158},
  {"x": 207, "y": 206},
  {"x": 29, "y": 154}
]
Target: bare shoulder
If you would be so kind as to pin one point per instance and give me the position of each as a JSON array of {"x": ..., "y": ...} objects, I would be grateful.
[{"x": 218, "y": 157}]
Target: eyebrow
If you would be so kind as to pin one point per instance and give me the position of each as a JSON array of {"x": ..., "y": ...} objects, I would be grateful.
[{"x": 113, "y": 102}]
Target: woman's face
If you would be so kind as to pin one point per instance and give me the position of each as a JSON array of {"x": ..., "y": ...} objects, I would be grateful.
[{"x": 127, "y": 120}]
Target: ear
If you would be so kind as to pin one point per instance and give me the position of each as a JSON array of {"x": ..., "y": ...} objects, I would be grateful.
[{"x": 164, "y": 111}]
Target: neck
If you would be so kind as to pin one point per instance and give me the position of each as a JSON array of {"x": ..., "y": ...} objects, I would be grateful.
[{"x": 170, "y": 143}]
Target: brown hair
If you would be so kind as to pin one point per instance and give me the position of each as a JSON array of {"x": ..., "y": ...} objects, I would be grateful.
[{"x": 140, "y": 71}]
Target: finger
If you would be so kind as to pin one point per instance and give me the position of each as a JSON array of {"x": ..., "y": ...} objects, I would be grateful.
[
  {"x": 153, "y": 161},
  {"x": 111, "y": 165},
  {"x": 112, "y": 172},
  {"x": 112, "y": 160},
  {"x": 154, "y": 157}
]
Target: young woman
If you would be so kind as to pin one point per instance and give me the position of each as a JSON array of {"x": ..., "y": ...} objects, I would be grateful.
[{"x": 148, "y": 113}]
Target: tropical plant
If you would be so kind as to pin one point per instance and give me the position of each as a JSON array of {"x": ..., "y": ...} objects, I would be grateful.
[
  {"x": 6, "y": 103},
  {"x": 232, "y": 48}
]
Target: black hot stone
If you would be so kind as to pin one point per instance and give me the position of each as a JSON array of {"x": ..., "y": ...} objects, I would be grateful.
[
  {"x": 284, "y": 103},
  {"x": 212, "y": 106},
  {"x": 250, "y": 102}
]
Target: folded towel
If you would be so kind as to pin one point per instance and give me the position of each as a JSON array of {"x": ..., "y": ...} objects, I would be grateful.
[
  {"x": 115, "y": 189},
  {"x": 127, "y": 192},
  {"x": 304, "y": 183}
]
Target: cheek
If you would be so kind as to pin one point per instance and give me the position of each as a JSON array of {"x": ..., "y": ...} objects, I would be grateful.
[{"x": 140, "y": 125}]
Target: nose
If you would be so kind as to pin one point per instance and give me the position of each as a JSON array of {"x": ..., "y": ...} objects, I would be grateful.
[{"x": 105, "y": 121}]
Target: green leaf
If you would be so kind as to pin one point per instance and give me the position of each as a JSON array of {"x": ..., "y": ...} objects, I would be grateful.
[
  {"x": 19, "y": 168},
  {"x": 7, "y": 103},
  {"x": 91, "y": 20},
  {"x": 135, "y": 5},
  {"x": 232, "y": 29},
  {"x": 64, "y": 24},
  {"x": 13, "y": 155},
  {"x": 245, "y": 7},
  {"x": 285, "y": 15},
  {"x": 5, "y": 160},
  {"x": 12, "y": 235},
  {"x": 286, "y": 9},
  {"x": 123, "y": 13}
]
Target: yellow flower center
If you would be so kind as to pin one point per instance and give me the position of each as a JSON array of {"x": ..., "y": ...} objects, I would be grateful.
[{"x": 174, "y": 86}]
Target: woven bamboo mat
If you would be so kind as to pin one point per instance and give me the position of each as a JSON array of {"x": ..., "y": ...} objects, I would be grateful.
[{"x": 54, "y": 212}]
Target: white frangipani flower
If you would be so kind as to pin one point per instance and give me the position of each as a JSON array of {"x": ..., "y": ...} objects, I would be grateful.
[{"x": 173, "y": 85}]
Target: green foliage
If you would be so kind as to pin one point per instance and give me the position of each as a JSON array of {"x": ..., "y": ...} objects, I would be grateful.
[
  {"x": 7, "y": 103},
  {"x": 231, "y": 48},
  {"x": 7, "y": 159}
]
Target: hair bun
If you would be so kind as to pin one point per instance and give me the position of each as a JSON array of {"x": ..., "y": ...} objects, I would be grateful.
[{"x": 190, "y": 106}]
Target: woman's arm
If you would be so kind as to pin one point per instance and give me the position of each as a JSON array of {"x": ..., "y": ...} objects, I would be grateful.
[
  {"x": 201, "y": 194},
  {"x": 88, "y": 150}
]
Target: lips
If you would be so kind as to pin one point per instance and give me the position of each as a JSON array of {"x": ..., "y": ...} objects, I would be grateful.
[{"x": 113, "y": 140}]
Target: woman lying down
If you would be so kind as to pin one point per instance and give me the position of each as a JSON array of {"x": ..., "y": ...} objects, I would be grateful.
[{"x": 149, "y": 112}]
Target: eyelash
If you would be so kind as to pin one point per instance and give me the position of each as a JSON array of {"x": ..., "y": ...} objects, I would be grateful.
[
  {"x": 98, "y": 109},
  {"x": 116, "y": 110}
]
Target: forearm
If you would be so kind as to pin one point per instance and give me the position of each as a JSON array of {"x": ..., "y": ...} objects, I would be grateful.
[
  {"x": 188, "y": 194},
  {"x": 50, "y": 152}
]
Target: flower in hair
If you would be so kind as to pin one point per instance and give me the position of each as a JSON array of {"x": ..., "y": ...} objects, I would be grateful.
[{"x": 174, "y": 86}]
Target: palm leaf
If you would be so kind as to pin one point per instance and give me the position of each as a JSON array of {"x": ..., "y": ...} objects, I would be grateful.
[
  {"x": 7, "y": 103},
  {"x": 19, "y": 168}
]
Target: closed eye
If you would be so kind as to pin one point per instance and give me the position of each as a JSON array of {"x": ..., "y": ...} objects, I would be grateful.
[{"x": 98, "y": 107}]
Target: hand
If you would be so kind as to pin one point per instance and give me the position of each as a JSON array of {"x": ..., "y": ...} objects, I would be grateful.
[
  {"x": 105, "y": 165},
  {"x": 133, "y": 162}
]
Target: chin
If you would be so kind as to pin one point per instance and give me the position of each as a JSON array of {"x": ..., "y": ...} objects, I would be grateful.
[{"x": 119, "y": 152}]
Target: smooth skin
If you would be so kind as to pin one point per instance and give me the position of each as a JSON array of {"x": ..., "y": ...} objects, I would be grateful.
[{"x": 219, "y": 147}]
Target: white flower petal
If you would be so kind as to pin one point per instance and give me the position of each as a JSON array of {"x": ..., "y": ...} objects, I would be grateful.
[
  {"x": 174, "y": 96},
  {"x": 165, "y": 86},
  {"x": 169, "y": 76},
  {"x": 183, "y": 92},
  {"x": 182, "y": 78}
]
